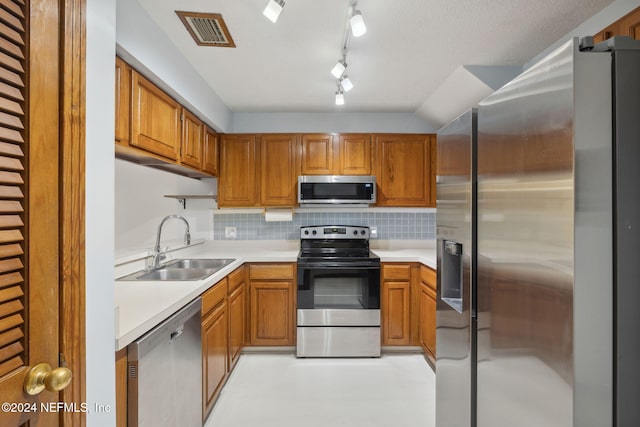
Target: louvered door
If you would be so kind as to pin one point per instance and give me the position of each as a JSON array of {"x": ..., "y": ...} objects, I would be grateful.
[{"x": 29, "y": 205}]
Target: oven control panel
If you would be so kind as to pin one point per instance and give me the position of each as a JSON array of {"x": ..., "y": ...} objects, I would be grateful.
[{"x": 335, "y": 232}]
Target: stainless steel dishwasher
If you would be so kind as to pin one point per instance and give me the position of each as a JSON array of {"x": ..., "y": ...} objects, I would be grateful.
[{"x": 165, "y": 373}]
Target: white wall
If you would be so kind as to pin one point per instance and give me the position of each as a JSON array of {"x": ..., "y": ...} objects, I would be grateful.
[
  {"x": 100, "y": 318},
  {"x": 140, "y": 205},
  {"x": 143, "y": 44},
  {"x": 330, "y": 122}
]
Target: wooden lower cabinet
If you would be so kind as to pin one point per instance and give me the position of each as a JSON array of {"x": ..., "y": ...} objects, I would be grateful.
[
  {"x": 121, "y": 388},
  {"x": 396, "y": 321},
  {"x": 214, "y": 348},
  {"x": 408, "y": 306},
  {"x": 215, "y": 344},
  {"x": 236, "y": 302},
  {"x": 272, "y": 304},
  {"x": 427, "y": 304},
  {"x": 395, "y": 304}
]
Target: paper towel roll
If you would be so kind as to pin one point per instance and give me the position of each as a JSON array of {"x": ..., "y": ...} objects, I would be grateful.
[{"x": 278, "y": 215}]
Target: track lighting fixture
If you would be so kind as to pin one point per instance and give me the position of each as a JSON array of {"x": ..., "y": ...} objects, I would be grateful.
[
  {"x": 273, "y": 9},
  {"x": 357, "y": 24},
  {"x": 346, "y": 83}
]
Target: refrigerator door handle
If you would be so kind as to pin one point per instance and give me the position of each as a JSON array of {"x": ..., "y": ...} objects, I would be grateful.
[{"x": 452, "y": 293}]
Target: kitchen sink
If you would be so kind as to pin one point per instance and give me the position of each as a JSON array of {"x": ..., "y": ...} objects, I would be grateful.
[
  {"x": 181, "y": 270},
  {"x": 177, "y": 274},
  {"x": 215, "y": 264}
]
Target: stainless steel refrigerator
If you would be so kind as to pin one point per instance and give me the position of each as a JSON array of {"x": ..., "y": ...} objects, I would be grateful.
[{"x": 538, "y": 227}]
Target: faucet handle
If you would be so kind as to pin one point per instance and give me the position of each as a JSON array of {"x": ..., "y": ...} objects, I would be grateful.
[{"x": 153, "y": 261}]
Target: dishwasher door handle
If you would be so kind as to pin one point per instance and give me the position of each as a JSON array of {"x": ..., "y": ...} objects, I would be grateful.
[{"x": 175, "y": 334}]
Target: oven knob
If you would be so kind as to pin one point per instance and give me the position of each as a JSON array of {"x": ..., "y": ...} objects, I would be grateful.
[
  {"x": 355, "y": 231},
  {"x": 314, "y": 232},
  {"x": 362, "y": 232},
  {"x": 306, "y": 232}
]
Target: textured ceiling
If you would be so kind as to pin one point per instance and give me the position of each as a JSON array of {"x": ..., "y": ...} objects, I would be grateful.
[{"x": 409, "y": 50}]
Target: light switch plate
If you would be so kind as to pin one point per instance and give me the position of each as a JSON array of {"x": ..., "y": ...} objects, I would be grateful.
[
  {"x": 230, "y": 233},
  {"x": 373, "y": 232}
]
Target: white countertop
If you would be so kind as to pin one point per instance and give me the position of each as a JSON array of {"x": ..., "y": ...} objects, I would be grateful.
[
  {"x": 141, "y": 305},
  {"x": 426, "y": 256}
]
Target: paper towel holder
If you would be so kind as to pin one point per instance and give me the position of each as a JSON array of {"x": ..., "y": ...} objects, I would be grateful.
[{"x": 265, "y": 209}]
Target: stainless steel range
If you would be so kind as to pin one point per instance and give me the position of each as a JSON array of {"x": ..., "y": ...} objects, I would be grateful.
[{"x": 338, "y": 293}]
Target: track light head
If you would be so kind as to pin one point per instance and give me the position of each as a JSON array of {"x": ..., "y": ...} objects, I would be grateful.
[
  {"x": 273, "y": 9},
  {"x": 357, "y": 24},
  {"x": 339, "y": 69},
  {"x": 345, "y": 83},
  {"x": 339, "y": 97}
]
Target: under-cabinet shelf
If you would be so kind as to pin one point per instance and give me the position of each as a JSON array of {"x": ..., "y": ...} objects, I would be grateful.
[{"x": 182, "y": 198}]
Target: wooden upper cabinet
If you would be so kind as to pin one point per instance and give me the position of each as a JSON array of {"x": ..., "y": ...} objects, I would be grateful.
[
  {"x": 237, "y": 184},
  {"x": 279, "y": 171},
  {"x": 155, "y": 119},
  {"x": 354, "y": 154},
  {"x": 630, "y": 25},
  {"x": 209, "y": 151},
  {"x": 403, "y": 170},
  {"x": 610, "y": 31},
  {"x": 191, "y": 146},
  {"x": 317, "y": 154},
  {"x": 123, "y": 101},
  {"x": 433, "y": 170},
  {"x": 341, "y": 154}
]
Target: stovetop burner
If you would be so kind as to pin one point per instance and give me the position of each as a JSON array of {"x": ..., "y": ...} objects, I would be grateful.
[{"x": 336, "y": 244}]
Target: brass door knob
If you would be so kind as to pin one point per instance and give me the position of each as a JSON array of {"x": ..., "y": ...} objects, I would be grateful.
[{"x": 42, "y": 377}]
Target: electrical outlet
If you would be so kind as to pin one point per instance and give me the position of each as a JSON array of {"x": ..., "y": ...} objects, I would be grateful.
[
  {"x": 373, "y": 232},
  {"x": 230, "y": 233}
]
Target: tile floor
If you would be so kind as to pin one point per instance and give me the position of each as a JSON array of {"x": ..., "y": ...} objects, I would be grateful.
[{"x": 279, "y": 390}]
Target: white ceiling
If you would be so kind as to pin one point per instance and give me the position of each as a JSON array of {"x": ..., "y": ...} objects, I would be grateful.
[{"x": 411, "y": 47}]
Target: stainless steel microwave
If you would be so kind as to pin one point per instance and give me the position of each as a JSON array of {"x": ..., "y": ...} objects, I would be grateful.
[{"x": 336, "y": 189}]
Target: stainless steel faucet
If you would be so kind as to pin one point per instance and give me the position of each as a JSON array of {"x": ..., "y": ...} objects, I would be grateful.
[{"x": 157, "y": 255}]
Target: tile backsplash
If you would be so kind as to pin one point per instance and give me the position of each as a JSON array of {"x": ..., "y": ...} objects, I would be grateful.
[{"x": 391, "y": 225}]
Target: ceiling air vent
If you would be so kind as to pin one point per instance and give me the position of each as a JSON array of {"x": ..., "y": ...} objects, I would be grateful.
[{"x": 207, "y": 29}]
